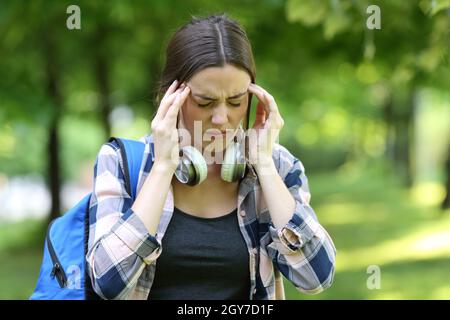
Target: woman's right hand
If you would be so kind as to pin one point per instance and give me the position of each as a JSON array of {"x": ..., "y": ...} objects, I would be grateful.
[{"x": 164, "y": 127}]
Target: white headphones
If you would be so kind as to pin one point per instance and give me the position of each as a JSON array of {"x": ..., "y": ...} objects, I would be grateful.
[{"x": 192, "y": 168}]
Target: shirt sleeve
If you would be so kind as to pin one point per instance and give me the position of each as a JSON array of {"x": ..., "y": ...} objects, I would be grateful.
[
  {"x": 302, "y": 249},
  {"x": 119, "y": 245}
]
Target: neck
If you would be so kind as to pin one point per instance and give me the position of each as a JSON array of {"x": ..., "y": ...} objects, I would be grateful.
[
  {"x": 213, "y": 197},
  {"x": 212, "y": 183}
]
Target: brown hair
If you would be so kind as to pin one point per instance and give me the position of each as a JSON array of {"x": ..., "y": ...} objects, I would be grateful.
[{"x": 206, "y": 42}]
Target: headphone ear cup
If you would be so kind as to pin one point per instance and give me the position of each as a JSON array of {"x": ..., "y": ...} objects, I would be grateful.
[
  {"x": 233, "y": 166},
  {"x": 192, "y": 169}
]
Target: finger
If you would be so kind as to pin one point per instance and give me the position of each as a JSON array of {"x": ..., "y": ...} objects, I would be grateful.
[
  {"x": 271, "y": 102},
  {"x": 274, "y": 120},
  {"x": 165, "y": 105},
  {"x": 170, "y": 94},
  {"x": 171, "y": 116},
  {"x": 180, "y": 123},
  {"x": 257, "y": 90},
  {"x": 171, "y": 89},
  {"x": 274, "y": 115},
  {"x": 270, "y": 105},
  {"x": 260, "y": 115}
]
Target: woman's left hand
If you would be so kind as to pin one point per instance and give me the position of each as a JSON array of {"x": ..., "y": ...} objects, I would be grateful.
[{"x": 268, "y": 123}]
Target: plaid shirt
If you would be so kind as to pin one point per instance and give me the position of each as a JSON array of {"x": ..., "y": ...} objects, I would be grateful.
[{"x": 122, "y": 255}]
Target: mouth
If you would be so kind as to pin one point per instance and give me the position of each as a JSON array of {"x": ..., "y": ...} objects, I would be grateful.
[
  {"x": 216, "y": 132},
  {"x": 221, "y": 133}
]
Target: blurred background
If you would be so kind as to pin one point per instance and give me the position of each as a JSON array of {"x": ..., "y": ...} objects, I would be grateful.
[{"x": 366, "y": 110}]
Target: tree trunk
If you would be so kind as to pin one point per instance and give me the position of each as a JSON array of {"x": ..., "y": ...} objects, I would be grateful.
[
  {"x": 102, "y": 77},
  {"x": 101, "y": 72},
  {"x": 403, "y": 123},
  {"x": 53, "y": 149},
  {"x": 54, "y": 169},
  {"x": 390, "y": 128},
  {"x": 446, "y": 203}
]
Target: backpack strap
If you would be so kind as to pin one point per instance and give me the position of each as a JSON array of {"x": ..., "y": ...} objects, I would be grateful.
[{"x": 132, "y": 152}]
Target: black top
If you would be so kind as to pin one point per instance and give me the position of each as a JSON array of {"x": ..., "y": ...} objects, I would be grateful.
[{"x": 202, "y": 258}]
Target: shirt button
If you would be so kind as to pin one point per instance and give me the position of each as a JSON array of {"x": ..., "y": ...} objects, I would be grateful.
[
  {"x": 254, "y": 291},
  {"x": 242, "y": 213},
  {"x": 255, "y": 251}
]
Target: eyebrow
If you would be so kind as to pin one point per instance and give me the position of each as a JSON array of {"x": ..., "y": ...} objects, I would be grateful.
[{"x": 212, "y": 99}]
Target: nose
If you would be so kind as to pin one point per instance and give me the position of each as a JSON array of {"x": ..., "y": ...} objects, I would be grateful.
[{"x": 220, "y": 115}]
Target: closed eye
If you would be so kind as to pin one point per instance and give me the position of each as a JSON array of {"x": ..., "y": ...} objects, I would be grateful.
[
  {"x": 209, "y": 103},
  {"x": 204, "y": 105}
]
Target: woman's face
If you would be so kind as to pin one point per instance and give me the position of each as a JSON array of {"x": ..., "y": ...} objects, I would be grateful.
[{"x": 218, "y": 100}]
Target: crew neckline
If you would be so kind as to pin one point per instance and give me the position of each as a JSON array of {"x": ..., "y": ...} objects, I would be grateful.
[{"x": 178, "y": 210}]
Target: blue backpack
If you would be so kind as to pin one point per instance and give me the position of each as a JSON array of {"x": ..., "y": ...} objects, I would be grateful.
[{"x": 63, "y": 274}]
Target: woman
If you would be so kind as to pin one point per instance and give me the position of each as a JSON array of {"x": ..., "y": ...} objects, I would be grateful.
[{"x": 215, "y": 239}]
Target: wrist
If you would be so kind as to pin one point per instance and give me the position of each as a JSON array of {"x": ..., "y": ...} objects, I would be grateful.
[
  {"x": 164, "y": 168},
  {"x": 265, "y": 165}
]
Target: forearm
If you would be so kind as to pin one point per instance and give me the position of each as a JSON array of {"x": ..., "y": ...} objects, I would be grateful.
[
  {"x": 280, "y": 202},
  {"x": 149, "y": 203},
  {"x": 303, "y": 247}
]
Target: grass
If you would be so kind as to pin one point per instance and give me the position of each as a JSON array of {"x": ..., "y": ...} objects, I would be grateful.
[
  {"x": 371, "y": 218},
  {"x": 18, "y": 273},
  {"x": 21, "y": 245},
  {"x": 373, "y": 221}
]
